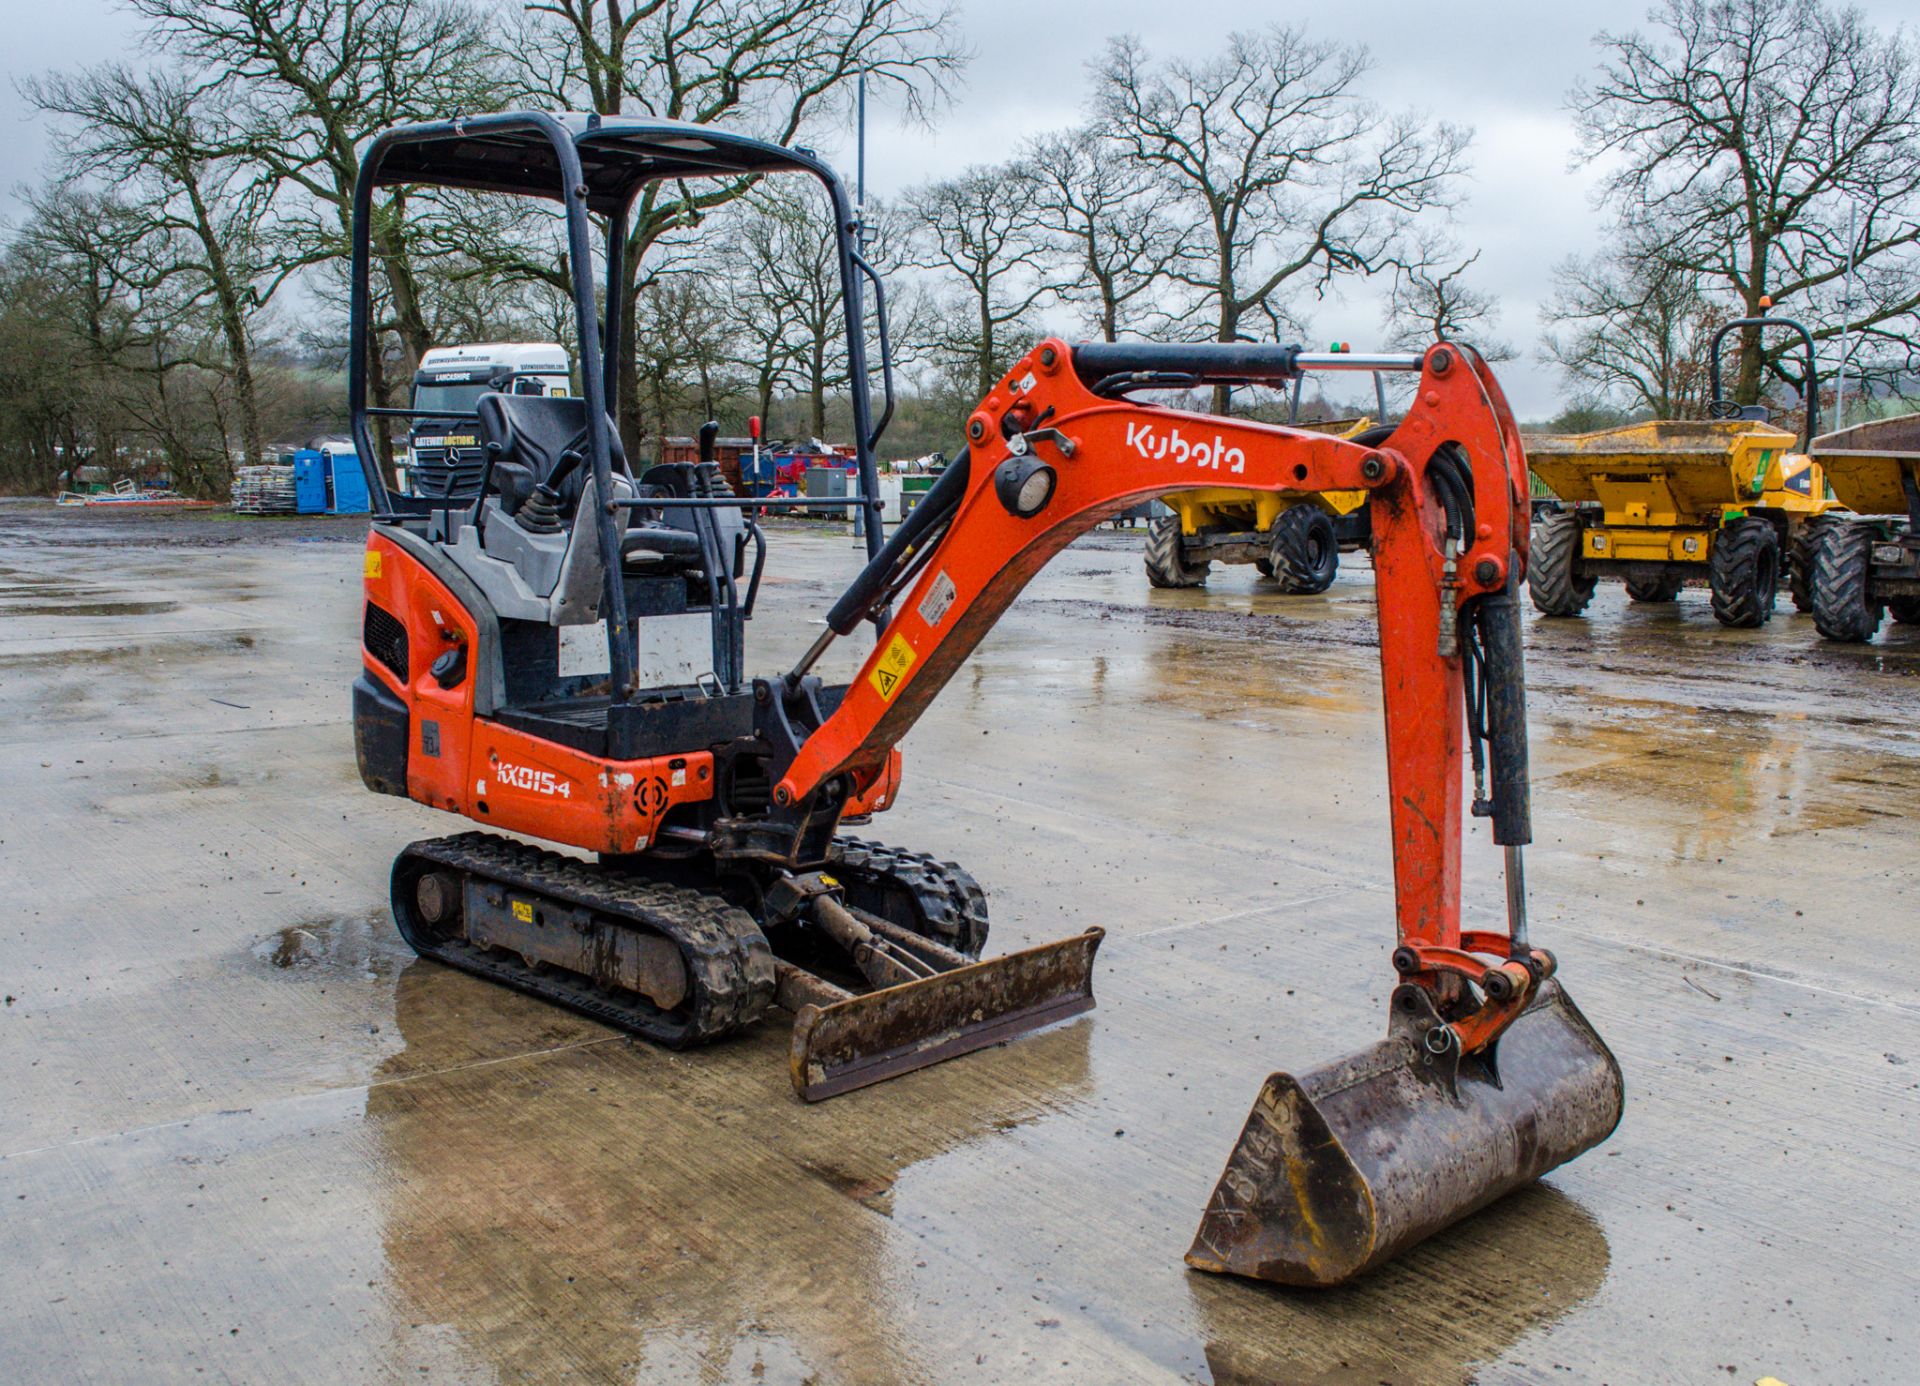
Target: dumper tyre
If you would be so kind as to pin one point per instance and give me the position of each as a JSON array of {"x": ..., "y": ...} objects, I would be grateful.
[
  {"x": 1843, "y": 608},
  {"x": 1556, "y": 589},
  {"x": 1800, "y": 562},
  {"x": 1905, "y": 610},
  {"x": 1304, "y": 550},
  {"x": 1167, "y": 565},
  {"x": 1744, "y": 572},
  {"x": 1665, "y": 588}
]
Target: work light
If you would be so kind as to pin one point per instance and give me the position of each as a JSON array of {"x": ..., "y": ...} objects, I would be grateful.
[{"x": 1024, "y": 485}]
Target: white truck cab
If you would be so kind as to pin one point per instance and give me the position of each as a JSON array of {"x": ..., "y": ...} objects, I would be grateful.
[{"x": 443, "y": 453}]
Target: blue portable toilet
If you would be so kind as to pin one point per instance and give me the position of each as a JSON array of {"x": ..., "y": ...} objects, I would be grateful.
[
  {"x": 347, "y": 486},
  {"x": 309, "y": 482}
]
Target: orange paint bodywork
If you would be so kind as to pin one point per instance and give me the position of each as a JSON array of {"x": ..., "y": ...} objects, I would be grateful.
[
  {"x": 493, "y": 773},
  {"x": 1124, "y": 451}
]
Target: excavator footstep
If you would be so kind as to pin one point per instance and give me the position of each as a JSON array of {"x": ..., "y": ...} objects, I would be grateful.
[
  {"x": 881, "y": 1034},
  {"x": 1343, "y": 1167}
]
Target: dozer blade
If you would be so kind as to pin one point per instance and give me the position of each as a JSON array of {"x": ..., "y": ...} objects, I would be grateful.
[
  {"x": 878, "y": 1035},
  {"x": 1343, "y": 1167}
]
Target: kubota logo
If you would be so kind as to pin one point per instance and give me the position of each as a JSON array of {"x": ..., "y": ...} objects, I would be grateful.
[{"x": 1212, "y": 456}]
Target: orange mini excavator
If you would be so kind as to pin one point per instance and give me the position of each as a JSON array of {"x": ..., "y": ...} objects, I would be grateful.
[{"x": 510, "y": 604}]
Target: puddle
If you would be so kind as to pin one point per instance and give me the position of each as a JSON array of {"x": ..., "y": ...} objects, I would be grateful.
[
  {"x": 1521, "y": 1265},
  {"x": 172, "y": 647},
  {"x": 689, "y": 1218},
  {"x": 355, "y": 945},
  {"x": 87, "y": 608}
]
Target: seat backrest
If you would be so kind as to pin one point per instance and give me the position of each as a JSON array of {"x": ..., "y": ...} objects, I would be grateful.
[
  {"x": 701, "y": 479},
  {"x": 537, "y": 432}
]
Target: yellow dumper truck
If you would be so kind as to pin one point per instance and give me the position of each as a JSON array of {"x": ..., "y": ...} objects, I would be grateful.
[
  {"x": 1729, "y": 499},
  {"x": 1869, "y": 565},
  {"x": 1295, "y": 540}
]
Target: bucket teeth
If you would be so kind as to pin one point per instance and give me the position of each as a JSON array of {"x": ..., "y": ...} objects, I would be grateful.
[
  {"x": 1343, "y": 1167},
  {"x": 866, "y": 1039}
]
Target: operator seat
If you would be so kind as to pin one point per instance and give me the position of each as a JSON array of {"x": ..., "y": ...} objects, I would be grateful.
[{"x": 540, "y": 440}]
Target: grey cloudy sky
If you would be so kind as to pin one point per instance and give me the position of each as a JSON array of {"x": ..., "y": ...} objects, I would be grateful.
[{"x": 1503, "y": 68}]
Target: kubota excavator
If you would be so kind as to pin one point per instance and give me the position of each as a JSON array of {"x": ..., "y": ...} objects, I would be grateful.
[{"x": 503, "y": 630}]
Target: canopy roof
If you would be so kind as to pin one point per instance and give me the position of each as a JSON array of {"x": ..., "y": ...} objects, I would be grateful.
[{"x": 513, "y": 153}]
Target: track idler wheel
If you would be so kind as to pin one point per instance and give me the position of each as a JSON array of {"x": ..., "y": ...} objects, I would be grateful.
[{"x": 1343, "y": 1167}]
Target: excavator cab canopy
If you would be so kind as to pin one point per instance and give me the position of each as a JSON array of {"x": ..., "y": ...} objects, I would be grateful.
[{"x": 593, "y": 166}]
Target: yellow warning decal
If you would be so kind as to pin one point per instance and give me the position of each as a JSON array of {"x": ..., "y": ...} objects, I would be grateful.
[
  {"x": 523, "y": 911},
  {"x": 373, "y": 563},
  {"x": 892, "y": 668}
]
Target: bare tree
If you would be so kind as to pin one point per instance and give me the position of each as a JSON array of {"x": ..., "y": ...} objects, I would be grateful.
[
  {"x": 1112, "y": 238},
  {"x": 1433, "y": 301},
  {"x": 1629, "y": 329},
  {"x": 139, "y": 342},
  {"x": 981, "y": 235},
  {"x": 44, "y": 367},
  {"x": 773, "y": 67},
  {"x": 1745, "y": 137},
  {"x": 786, "y": 303},
  {"x": 167, "y": 149},
  {"x": 1284, "y": 176},
  {"x": 320, "y": 77}
]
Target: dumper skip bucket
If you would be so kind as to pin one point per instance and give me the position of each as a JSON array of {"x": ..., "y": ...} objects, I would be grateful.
[{"x": 1341, "y": 1168}]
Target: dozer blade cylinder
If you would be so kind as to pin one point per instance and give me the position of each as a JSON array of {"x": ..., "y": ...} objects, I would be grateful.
[
  {"x": 1345, "y": 1166},
  {"x": 878, "y": 1035}
]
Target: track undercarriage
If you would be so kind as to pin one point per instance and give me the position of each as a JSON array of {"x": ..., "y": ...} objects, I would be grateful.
[{"x": 681, "y": 954}]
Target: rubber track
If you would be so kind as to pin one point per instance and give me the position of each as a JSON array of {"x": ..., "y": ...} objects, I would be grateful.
[
  {"x": 1165, "y": 568},
  {"x": 952, "y": 906},
  {"x": 1740, "y": 599},
  {"x": 729, "y": 965},
  {"x": 1550, "y": 580},
  {"x": 1293, "y": 567},
  {"x": 1843, "y": 608}
]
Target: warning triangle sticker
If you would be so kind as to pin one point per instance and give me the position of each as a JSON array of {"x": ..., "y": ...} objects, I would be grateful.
[{"x": 886, "y": 681}]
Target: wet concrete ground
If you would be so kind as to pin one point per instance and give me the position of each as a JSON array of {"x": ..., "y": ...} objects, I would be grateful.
[{"x": 246, "y": 1136}]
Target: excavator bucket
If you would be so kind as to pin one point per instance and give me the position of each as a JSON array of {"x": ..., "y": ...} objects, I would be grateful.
[
  {"x": 1341, "y": 1168},
  {"x": 856, "y": 1040}
]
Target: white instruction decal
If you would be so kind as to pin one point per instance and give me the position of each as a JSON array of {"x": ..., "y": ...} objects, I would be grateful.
[
  {"x": 939, "y": 597},
  {"x": 583, "y": 650}
]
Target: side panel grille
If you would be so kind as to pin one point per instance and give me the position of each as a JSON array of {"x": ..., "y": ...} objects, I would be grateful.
[{"x": 386, "y": 640}]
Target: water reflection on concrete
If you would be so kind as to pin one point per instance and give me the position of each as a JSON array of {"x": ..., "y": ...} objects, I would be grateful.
[
  {"x": 1465, "y": 1299},
  {"x": 609, "y": 1209}
]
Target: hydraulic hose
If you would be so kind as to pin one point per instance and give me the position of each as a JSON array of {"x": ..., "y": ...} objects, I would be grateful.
[
  {"x": 934, "y": 510},
  {"x": 1504, "y": 678}
]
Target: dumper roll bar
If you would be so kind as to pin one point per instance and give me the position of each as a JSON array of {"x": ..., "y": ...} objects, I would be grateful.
[
  {"x": 594, "y": 165},
  {"x": 1720, "y": 407}
]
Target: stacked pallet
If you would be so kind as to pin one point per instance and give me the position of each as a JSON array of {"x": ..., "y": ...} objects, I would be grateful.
[{"x": 264, "y": 490}]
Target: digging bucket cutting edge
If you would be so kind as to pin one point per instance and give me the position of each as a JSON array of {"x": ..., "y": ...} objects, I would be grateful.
[
  {"x": 1351, "y": 1163},
  {"x": 869, "y": 1038}
]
